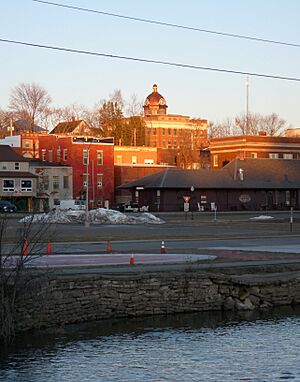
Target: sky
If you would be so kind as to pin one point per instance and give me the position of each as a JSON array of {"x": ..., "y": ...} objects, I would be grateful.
[{"x": 73, "y": 78}]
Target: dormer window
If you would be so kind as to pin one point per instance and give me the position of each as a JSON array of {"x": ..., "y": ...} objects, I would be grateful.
[{"x": 17, "y": 166}]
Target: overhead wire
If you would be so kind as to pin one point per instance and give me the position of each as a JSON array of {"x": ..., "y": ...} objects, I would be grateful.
[
  {"x": 150, "y": 61},
  {"x": 172, "y": 25}
]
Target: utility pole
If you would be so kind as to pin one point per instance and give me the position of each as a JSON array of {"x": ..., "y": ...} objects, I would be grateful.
[
  {"x": 87, "y": 221},
  {"x": 247, "y": 104}
]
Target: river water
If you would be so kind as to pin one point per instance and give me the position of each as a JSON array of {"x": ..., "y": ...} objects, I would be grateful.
[{"x": 187, "y": 347}]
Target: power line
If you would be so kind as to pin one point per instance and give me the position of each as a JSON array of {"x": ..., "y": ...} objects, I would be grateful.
[
  {"x": 149, "y": 61},
  {"x": 162, "y": 23}
]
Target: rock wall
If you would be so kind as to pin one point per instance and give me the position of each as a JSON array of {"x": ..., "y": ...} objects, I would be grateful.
[{"x": 62, "y": 299}]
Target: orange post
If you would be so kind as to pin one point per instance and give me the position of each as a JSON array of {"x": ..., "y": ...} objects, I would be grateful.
[
  {"x": 131, "y": 262},
  {"x": 108, "y": 247},
  {"x": 48, "y": 248},
  {"x": 25, "y": 248}
]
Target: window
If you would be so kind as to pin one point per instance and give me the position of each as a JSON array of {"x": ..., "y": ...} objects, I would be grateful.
[
  {"x": 163, "y": 131},
  {"x": 50, "y": 155},
  {"x": 148, "y": 161},
  {"x": 27, "y": 144},
  {"x": 66, "y": 181},
  {"x": 26, "y": 185},
  {"x": 65, "y": 154},
  {"x": 8, "y": 185},
  {"x": 99, "y": 180},
  {"x": 43, "y": 155},
  {"x": 169, "y": 131},
  {"x": 99, "y": 157},
  {"x": 17, "y": 166},
  {"x": 85, "y": 156},
  {"x": 253, "y": 155},
  {"x": 287, "y": 156},
  {"x": 174, "y": 131},
  {"x": 273, "y": 156},
  {"x": 133, "y": 160},
  {"x": 58, "y": 155},
  {"x": 45, "y": 181},
  {"x": 55, "y": 182},
  {"x": 119, "y": 159},
  {"x": 154, "y": 131},
  {"x": 215, "y": 160}
]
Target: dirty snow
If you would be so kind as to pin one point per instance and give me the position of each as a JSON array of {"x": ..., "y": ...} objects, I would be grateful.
[
  {"x": 97, "y": 216},
  {"x": 262, "y": 217}
]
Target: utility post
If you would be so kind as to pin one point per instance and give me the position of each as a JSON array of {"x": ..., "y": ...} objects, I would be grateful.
[
  {"x": 291, "y": 220},
  {"x": 87, "y": 220}
]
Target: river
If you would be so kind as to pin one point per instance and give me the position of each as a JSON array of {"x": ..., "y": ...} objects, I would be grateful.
[{"x": 188, "y": 347}]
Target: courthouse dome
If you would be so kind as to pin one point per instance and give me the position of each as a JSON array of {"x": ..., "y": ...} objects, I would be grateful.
[{"x": 155, "y": 103}]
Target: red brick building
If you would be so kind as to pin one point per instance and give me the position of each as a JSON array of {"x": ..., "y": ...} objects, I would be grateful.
[
  {"x": 224, "y": 150},
  {"x": 92, "y": 160},
  {"x": 171, "y": 130}
]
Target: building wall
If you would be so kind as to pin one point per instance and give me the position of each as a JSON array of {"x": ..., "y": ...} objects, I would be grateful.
[
  {"x": 223, "y": 150},
  {"x": 125, "y": 174},
  {"x": 225, "y": 200},
  {"x": 171, "y": 131},
  {"x": 54, "y": 148},
  {"x": 135, "y": 155},
  {"x": 53, "y": 185}
]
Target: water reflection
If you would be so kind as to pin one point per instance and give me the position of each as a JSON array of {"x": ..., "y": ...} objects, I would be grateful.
[{"x": 189, "y": 347}]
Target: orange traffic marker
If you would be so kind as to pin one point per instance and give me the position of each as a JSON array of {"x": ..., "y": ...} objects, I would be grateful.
[
  {"x": 162, "y": 247},
  {"x": 25, "y": 248},
  {"x": 108, "y": 247},
  {"x": 48, "y": 248},
  {"x": 131, "y": 262}
]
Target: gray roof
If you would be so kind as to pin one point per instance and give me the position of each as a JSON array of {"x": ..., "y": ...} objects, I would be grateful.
[
  {"x": 7, "y": 154},
  {"x": 41, "y": 163},
  {"x": 249, "y": 173},
  {"x": 17, "y": 174}
]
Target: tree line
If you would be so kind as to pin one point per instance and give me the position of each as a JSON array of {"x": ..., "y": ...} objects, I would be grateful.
[
  {"x": 113, "y": 117},
  {"x": 32, "y": 103}
]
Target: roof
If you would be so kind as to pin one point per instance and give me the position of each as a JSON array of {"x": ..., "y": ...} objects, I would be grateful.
[
  {"x": 249, "y": 173},
  {"x": 7, "y": 154},
  {"x": 154, "y": 97},
  {"x": 17, "y": 174},
  {"x": 66, "y": 127},
  {"x": 41, "y": 163}
]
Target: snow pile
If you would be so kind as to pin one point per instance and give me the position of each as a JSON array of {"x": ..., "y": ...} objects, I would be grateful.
[
  {"x": 97, "y": 216},
  {"x": 262, "y": 217}
]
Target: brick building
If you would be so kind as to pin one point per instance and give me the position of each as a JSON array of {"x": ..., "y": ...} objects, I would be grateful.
[
  {"x": 92, "y": 160},
  {"x": 173, "y": 132},
  {"x": 223, "y": 150}
]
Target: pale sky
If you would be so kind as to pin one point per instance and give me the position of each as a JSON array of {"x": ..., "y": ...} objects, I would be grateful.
[{"x": 73, "y": 78}]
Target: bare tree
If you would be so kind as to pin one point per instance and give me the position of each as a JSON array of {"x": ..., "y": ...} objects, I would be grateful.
[
  {"x": 221, "y": 129},
  {"x": 254, "y": 123},
  {"x": 29, "y": 101},
  {"x": 16, "y": 277},
  {"x": 134, "y": 106},
  {"x": 272, "y": 124},
  {"x": 52, "y": 116}
]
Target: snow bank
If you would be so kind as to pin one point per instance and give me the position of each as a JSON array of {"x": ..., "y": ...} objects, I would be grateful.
[
  {"x": 262, "y": 217},
  {"x": 97, "y": 216}
]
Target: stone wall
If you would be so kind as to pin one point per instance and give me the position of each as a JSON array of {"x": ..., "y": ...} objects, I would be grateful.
[{"x": 62, "y": 299}]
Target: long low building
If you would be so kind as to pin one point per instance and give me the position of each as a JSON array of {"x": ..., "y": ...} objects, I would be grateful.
[{"x": 248, "y": 184}]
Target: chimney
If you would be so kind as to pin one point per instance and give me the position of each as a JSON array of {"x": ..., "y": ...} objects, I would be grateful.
[{"x": 262, "y": 133}]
